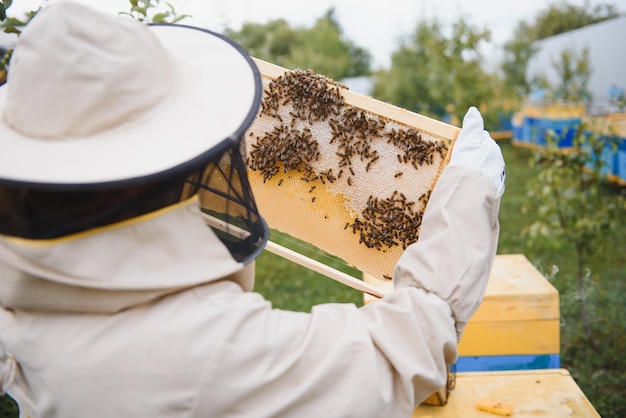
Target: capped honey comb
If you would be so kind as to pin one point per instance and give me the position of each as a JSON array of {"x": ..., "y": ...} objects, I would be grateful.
[{"x": 347, "y": 173}]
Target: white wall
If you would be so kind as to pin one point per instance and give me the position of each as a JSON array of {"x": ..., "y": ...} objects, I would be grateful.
[{"x": 606, "y": 42}]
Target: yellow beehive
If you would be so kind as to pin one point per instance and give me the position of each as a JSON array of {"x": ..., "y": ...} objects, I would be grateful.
[
  {"x": 555, "y": 111},
  {"x": 518, "y": 320}
]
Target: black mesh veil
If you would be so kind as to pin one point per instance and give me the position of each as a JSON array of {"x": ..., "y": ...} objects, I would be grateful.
[
  {"x": 222, "y": 186},
  {"x": 228, "y": 204}
]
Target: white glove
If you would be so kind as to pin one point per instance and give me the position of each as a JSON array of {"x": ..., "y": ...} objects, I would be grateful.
[{"x": 474, "y": 148}]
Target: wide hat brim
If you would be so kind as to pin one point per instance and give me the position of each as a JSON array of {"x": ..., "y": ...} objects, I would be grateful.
[{"x": 219, "y": 98}]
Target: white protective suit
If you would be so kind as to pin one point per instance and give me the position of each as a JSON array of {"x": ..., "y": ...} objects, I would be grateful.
[
  {"x": 152, "y": 317},
  {"x": 217, "y": 350}
]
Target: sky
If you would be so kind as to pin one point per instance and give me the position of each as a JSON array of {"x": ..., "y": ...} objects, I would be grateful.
[{"x": 376, "y": 26}]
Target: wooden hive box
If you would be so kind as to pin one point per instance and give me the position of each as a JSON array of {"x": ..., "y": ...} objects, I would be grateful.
[
  {"x": 522, "y": 393},
  {"x": 517, "y": 325}
]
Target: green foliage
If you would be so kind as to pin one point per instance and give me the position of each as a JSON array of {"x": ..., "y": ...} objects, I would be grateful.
[
  {"x": 321, "y": 48},
  {"x": 4, "y": 4},
  {"x": 517, "y": 54},
  {"x": 324, "y": 50},
  {"x": 555, "y": 19},
  {"x": 272, "y": 41},
  {"x": 565, "y": 197},
  {"x": 563, "y": 17},
  {"x": 574, "y": 73},
  {"x": 10, "y": 25},
  {"x": 8, "y": 407},
  {"x": 565, "y": 192},
  {"x": 439, "y": 75},
  {"x": 149, "y": 11}
]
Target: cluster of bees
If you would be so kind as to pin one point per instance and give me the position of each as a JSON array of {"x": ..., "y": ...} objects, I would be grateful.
[
  {"x": 284, "y": 149},
  {"x": 299, "y": 102},
  {"x": 313, "y": 97},
  {"x": 414, "y": 149},
  {"x": 389, "y": 222}
]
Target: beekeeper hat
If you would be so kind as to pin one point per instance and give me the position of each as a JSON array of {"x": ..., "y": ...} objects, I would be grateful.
[{"x": 97, "y": 101}]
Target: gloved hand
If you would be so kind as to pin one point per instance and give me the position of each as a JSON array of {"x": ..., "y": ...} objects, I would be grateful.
[{"x": 474, "y": 148}]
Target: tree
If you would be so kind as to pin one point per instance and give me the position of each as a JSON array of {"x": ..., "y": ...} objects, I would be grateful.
[
  {"x": 437, "y": 75},
  {"x": 517, "y": 54},
  {"x": 574, "y": 73},
  {"x": 321, "y": 48},
  {"x": 325, "y": 50},
  {"x": 272, "y": 41},
  {"x": 565, "y": 17},
  {"x": 553, "y": 20}
]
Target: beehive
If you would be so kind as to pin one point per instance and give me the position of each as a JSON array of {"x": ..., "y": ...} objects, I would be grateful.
[
  {"x": 517, "y": 325},
  {"x": 535, "y": 123},
  {"x": 347, "y": 173},
  {"x": 614, "y": 155}
]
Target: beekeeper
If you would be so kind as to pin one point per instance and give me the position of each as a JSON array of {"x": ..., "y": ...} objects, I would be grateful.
[{"x": 118, "y": 301}]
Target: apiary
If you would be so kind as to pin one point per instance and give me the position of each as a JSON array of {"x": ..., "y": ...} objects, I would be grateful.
[
  {"x": 516, "y": 327},
  {"x": 346, "y": 173}
]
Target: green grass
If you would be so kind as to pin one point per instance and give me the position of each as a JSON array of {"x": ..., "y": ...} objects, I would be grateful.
[
  {"x": 600, "y": 374},
  {"x": 290, "y": 286}
]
